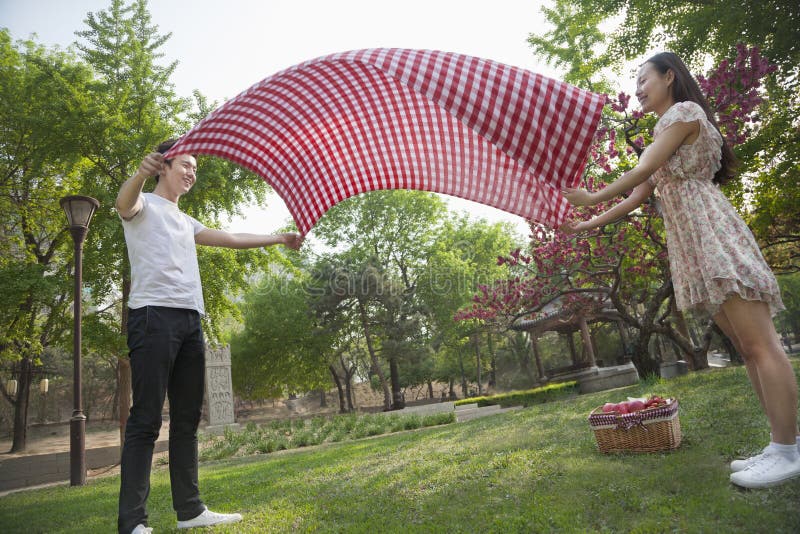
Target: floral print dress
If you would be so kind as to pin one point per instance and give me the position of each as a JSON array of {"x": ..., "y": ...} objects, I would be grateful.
[{"x": 712, "y": 253}]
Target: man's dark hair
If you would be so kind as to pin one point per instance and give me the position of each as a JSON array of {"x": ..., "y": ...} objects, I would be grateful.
[{"x": 162, "y": 149}]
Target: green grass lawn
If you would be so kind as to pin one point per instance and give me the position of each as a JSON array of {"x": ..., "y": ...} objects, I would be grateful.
[{"x": 532, "y": 470}]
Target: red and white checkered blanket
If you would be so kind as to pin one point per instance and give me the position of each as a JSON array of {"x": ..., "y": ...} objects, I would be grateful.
[{"x": 348, "y": 123}]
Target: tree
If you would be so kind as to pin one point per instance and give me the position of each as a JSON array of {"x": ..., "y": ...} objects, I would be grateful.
[
  {"x": 388, "y": 234},
  {"x": 625, "y": 268},
  {"x": 572, "y": 44},
  {"x": 83, "y": 124},
  {"x": 39, "y": 164},
  {"x": 623, "y": 265},
  {"x": 343, "y": 288},
  {"x": 346, "y": 359},
  {"x": 769, "y": 192},
  {"x": 129, "y": 109},
  {"x": 462, "y": 257},
  {"x": 280, "y": 349}
]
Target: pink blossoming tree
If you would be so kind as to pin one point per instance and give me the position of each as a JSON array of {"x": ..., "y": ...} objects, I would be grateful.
[{"x": 623, "y": 265}]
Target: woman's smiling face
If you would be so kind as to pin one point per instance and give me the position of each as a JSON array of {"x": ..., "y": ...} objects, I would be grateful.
[{"x": 653, "y": 89}]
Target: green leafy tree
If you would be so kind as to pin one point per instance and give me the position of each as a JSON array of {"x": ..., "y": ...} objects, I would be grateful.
[
  {"x": 129, "y": 109},
  {"x": 280, "y": 349},
  {"x": 343, "y": 289},
  {"x": 572, "y": 44},
  {"x": 463, "y": 257},
  {"x": 387, "y": 235},
  {"x": 789, "y": 320},
  {"x": 39, "y": 164},
  {"x": 81, "y": 125}
]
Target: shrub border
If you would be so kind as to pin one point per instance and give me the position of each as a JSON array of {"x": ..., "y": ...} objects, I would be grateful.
[{"x": 548, "y": 393}]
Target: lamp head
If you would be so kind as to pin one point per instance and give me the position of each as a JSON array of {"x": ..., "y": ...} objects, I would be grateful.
[{"x": 79, "y": 210}]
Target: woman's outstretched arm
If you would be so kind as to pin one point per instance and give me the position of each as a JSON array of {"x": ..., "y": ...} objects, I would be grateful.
[
  {"x": 656, "y": 155},
  {"x": 640, "y": 193}
]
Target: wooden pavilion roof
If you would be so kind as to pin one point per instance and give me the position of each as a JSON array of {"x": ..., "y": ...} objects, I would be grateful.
[{"x": 564, "y": 320}]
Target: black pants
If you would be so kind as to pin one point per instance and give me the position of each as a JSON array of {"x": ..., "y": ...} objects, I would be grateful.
[{"x": 167, "y": 357}]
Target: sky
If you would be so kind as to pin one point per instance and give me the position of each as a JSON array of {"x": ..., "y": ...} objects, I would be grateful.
[{"x": 223, "y": 47}]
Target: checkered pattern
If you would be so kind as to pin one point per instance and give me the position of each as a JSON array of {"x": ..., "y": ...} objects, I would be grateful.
[{"x": 348, "y": 123}]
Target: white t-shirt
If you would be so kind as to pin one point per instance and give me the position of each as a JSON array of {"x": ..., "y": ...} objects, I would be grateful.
[{"x": 161, "y": 249}]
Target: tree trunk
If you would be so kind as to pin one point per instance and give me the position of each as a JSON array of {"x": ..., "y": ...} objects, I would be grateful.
[
  {"x": 492, "y": 360},
  {"x": 728, "y": 344},
  {"x": 430, "y": 389},
  {"x": 398, "y": 403},
  {"x": 697, "y": 358},
  {"x": 323, "y": 401},
  {"x": 645, "y": 324},
  {"x": 705, "y": 341},
  {"x": 339, "y": 388},
  {"x": 21, "y": 406},
  {"x": 642, "y": 359},
  {"x": 588, "y": 347},
  {"x": 348, "y": 380},
  {"x": 351, "y": 394},
  {"x": 463, "y": 375},
  {"x": 477, "y": 342},
  {"x": 387, "y": 394}
]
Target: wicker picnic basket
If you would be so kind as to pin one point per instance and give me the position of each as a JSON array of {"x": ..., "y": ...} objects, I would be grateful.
[{"x": 649, "y": 430}]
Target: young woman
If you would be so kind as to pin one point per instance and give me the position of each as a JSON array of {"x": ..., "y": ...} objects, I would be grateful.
[{"x": 715, "y": 262}]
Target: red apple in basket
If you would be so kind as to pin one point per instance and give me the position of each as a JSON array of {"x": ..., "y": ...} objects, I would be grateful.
[
  {"x": 635, "y": 406},
  {"x": 622, "y": 407},
  {"x": 609, "y": 407}
]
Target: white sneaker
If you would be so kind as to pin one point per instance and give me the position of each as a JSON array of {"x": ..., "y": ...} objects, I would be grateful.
[
  {"x": 740, "y": 465},
  {"x": 770, "y": 469},
  {"x": 141, "y": 529},
  {"x": 209, "y": 518}
]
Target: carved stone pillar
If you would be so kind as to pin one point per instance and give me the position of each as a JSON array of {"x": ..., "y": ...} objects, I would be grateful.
[{"x": 219, "y": 389}]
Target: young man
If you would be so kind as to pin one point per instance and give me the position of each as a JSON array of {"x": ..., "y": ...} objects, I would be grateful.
[{"x": 165, "y": 336}]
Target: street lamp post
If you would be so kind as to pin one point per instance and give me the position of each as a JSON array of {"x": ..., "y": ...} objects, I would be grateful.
[{"x": 79, "y": 210}]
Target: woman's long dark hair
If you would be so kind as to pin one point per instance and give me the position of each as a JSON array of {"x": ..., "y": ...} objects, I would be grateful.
[{"x": 685, "y": 88}]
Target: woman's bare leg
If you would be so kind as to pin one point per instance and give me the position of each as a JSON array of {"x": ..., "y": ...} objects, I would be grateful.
[
  {"x": 752, "y": 371},
  {"x": 752, "y": 324}
]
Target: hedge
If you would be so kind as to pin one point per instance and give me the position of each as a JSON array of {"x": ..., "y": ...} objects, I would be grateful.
[{"x": 547, "y": 393}]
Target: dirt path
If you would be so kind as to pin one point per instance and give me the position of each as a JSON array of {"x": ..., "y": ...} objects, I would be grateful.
[{"x": 55, "y": 438}]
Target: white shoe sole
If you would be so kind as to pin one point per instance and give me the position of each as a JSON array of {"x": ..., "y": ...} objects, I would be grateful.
[
  {"x": 196, "y": 523},
  {"x": 756, "y": 484}
]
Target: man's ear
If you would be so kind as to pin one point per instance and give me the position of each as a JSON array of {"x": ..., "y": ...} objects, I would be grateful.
[{"x": 167, "y": 163}]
